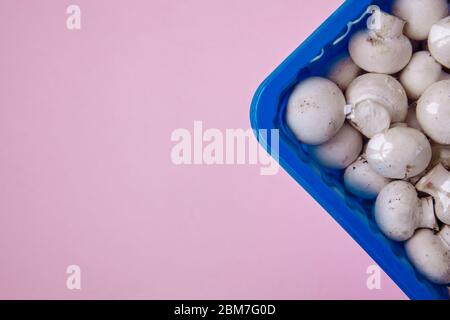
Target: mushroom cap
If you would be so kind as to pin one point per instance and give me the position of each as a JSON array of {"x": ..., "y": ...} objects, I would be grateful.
[
  {"x": 343, "y": 72},
  {"x": 380, "y": 56},
  {"x": 419, "y": 15},
  {"x": 382, "y": 50},
  {"x": 439, "y": 41},
  {"x": 399, "y": 153},
  {"x": 433, "y": 111},
  {"x": 362, "y": 181},
  {"x": 430, "y": 254},
  {"x": 315, "y": 110},
  {"x": 339, "y": 151},
  {"x": 381, "y": 89},
  {"x": 421, "y": 72},
  {"x": 396, "y": 210}
]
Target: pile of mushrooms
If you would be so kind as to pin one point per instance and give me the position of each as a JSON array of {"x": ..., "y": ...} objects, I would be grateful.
[{"x": 382, "y": 116}]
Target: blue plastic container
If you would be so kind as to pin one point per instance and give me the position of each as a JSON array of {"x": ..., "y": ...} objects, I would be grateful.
[{"x": 314, "y": 58}]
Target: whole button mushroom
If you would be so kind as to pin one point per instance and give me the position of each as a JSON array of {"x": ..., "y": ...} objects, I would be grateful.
[
  {"x": 376, "y": 101},
  {"x": 430, "y": 254},
  {"x": 383, "y": 48},
  {"x": 439, "y": 41},
  {"x": 399, "y": 153},
  {"x": 339, "y": 151},
  {"x": 399, "y": 212},
  {"x": 437, "y": 184},
  {"x": 421, "y": 72},
  {"x": 420, "y": 15},
  {"x": 343, "y": 72},
  {"x": 362, "y": 181},
  {"x": 315, "y": 110},
  {"x": 433, "y": 111}
]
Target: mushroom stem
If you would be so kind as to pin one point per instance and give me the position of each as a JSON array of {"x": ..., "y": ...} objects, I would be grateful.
[
  {"x": 369, "y": 117},
  {"x": 387, "y": 25},
  {"x": 437, "y": 184},
  {"x": 426, "y": 215}
]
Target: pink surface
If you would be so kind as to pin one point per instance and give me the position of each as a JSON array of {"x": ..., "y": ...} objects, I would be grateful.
[{"x": 85, "y": 171}]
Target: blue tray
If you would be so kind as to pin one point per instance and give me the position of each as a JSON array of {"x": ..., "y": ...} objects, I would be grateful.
[{"x": 314, "y": 58}]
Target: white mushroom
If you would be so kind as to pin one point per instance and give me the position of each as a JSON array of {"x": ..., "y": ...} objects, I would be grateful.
[
  {"x": 339, "y": 151},
  {"x": 376, "y": 100},
  {"x": 362, "y": 181},
  {"x": 430, "y": 254},
  {"x": 433, "y": 111},
  {"x": 315, "y": 110},
  {"x": 420, "y": 15},
  {"x": 437, "y": 184},
  {"x": 399, "y": 212},
  {"x": 439, "y": 41},
  {"x": 399, "y": 153},
  {"x": 383, "y": 48},
  {"x": 343, "y": 72},
  {"x": 421, "y": 72}
]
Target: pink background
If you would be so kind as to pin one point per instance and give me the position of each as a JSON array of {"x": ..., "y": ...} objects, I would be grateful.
[{"x": 85, "y": 171}]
